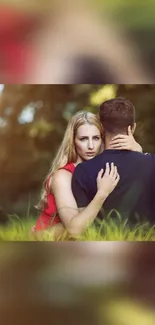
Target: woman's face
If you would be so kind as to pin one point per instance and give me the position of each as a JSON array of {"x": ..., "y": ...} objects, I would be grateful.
[{"x": 88, "y": 142}]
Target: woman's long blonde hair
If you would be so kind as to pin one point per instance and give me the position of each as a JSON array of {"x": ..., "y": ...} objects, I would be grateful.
[{"x": 67, "y": 151}]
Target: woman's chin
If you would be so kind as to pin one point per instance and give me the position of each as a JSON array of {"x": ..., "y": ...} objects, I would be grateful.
[{"x": 89, "y": 157}]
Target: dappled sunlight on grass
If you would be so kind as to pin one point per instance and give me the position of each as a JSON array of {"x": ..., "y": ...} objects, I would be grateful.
[{"x": 106, "y": 230}]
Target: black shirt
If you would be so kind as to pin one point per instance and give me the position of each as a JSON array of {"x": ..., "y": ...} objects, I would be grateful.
[{"x": 133, "y": 197}]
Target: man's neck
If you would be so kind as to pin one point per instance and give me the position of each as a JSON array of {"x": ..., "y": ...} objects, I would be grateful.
[{"x": 108, "y": 139}]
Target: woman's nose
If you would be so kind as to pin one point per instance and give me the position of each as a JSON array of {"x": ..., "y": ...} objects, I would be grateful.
[{"x": 90, "y": 145}]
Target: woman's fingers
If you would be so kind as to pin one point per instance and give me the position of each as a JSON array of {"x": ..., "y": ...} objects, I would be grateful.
[
  {"x": 110, "y": 170},
  {"x": 117, "y": 179},
  {"x": 123, "y": 136},
  {"x": 116, "y": 172},
  {"x": 120, "y": 146},
  {"x": 113, "y": 171},
  {"x": 119, "y": 137},
  {"x": 107, "y": 169},
  {"x": 121, "y": 141},
  {"x": 100, "y": 173},
  {"x": 108, "y": 179}
]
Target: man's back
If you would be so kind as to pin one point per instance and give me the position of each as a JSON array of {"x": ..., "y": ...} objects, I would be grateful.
[{"x": 133, "y": 196}]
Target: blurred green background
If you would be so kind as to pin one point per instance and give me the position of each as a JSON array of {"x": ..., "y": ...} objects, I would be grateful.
[{"x": 33, "y": 119}]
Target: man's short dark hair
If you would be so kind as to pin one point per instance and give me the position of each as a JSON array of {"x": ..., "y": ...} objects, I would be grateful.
[{"x": 116, "y": 115}]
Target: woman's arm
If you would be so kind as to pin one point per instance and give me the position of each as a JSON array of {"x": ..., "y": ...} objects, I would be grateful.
[{"x": 76, "y": 221}]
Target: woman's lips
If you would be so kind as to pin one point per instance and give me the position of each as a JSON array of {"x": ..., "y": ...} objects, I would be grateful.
[{"x": 90, "y": 153}]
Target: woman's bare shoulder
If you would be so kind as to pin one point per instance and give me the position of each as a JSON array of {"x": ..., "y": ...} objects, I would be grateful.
[{"x": 61, "y": 176}]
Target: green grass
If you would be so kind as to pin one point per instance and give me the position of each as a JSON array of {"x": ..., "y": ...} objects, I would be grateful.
[{"x": 107, "y": 230}]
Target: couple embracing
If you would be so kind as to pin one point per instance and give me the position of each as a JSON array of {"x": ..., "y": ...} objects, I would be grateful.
[{"x": 99, "y": 166}]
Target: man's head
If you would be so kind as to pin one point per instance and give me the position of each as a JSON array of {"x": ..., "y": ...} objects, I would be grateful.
[{"x": 117, "y": 115}]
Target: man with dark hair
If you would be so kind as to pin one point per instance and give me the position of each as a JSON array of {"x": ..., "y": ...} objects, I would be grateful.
[
  {"x": 133, "y": 196},
  {"x": 116, "y": 115}
]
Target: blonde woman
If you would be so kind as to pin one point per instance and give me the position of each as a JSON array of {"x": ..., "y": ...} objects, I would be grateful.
[{"x": 82, "y": 141}]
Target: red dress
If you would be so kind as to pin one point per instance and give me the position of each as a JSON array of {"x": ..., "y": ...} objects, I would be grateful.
[{"x": 49, "y": 216}]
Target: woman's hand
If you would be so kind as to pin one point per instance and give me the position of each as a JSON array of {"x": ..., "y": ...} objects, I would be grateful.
[
  {"x": 125, "y": 142},
  {"x": 107, "y": 182}
]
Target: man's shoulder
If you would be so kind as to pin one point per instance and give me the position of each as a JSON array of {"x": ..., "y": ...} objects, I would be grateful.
[
  {"x": 91, "y": 165},
  {"x": 146, "y": 158},
  {"x": 143, "y": 155},
  {"x": 147, "y": 155},
  {"x": 87, "y": 165},
  {"x": 80, "y": 168}
]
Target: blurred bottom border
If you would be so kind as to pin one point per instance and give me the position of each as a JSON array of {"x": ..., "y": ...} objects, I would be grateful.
[{"x": 77, "y": 282}]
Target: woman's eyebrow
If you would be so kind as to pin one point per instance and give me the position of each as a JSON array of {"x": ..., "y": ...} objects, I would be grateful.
[{"x": 86, "y": 136}]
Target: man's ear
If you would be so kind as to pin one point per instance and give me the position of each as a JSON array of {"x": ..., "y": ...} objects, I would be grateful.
[
  {"x": 131, "y": 130},
  {"x": 134, "y": 128}
]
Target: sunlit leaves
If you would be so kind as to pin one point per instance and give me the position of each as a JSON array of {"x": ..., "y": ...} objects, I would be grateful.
[{"x": 104, "y": 93}]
